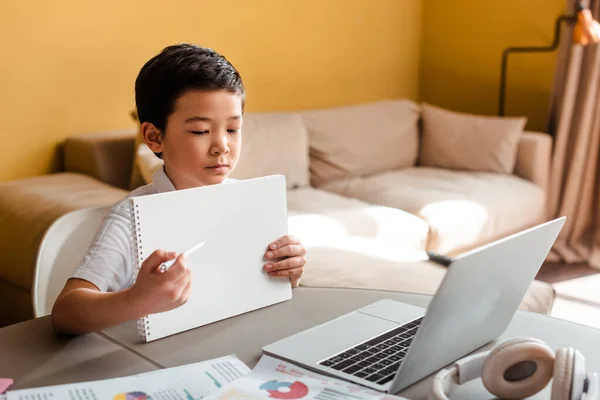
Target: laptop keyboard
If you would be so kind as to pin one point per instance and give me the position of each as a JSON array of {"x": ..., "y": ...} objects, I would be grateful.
[{"x": 377, "y": 359}]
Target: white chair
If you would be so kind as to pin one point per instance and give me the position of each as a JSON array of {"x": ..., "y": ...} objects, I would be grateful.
[{"x": 62, "y": 248}]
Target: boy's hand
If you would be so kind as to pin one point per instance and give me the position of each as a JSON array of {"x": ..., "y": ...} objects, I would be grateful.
[
  {"x": 156, "y": 292},
  {"x": 292, "y": 257}
]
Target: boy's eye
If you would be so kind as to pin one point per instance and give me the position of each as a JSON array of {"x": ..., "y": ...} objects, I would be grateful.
[
  {"x": 199, "y": 132},
  {"x": 233, "y": 130}
]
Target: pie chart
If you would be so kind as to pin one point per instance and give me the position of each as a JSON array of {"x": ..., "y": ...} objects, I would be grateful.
[
  {"x": 291, "y": 390},
  {"x": 132, "y": 396}
]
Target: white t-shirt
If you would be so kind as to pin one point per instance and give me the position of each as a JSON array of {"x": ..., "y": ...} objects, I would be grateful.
[{"x": 109, "y": 262}]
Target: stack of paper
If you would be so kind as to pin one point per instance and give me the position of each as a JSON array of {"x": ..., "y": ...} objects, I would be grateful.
[
  {"x": 276, "y": 379},
  {"x": 189, "y": 382},
  {"x": 225, "y": 378}
]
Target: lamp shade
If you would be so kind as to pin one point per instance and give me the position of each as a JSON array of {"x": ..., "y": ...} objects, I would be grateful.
[{"x": 587, "y": 29}]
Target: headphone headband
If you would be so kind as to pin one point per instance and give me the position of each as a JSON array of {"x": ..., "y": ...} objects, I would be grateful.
[
  {"x": 463, "y": 370},
  {"x": 470, "y": 367}
]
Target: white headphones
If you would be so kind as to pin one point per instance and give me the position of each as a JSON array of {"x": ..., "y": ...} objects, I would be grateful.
[{"x": 520, "y": 368}]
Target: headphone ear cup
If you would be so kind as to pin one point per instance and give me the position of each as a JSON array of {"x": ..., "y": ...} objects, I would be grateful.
[
  {"x": 579, "y": 375},
  {"x": 563, "y": 374},
  {"x": 518, "y": 369}
]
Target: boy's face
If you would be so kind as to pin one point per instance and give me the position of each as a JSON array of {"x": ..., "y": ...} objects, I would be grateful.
[{"x": 202, "y": 142}]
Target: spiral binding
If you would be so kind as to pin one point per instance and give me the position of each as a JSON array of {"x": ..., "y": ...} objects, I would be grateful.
[{"x": 143, "y": 326}]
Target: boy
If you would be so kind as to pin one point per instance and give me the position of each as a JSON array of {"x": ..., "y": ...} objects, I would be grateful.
[{"x": 190, "y": 103}]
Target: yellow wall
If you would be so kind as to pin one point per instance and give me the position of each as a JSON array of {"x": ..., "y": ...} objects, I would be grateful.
[
  {"x": 462, "y": 46},
  {"x": 68, "y": 66}
]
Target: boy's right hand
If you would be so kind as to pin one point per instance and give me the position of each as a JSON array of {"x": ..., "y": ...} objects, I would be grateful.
[{"x": 156, "y": 292}]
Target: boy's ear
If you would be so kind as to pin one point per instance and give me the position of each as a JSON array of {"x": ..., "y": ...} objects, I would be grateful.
[{"x": 152, "y": 137}]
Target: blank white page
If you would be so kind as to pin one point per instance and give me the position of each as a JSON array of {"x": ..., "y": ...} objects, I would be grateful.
[{"x": 238, "y": 221}]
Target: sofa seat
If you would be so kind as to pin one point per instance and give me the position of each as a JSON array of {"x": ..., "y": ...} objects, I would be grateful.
[
  {"x": 309, "y": 199},
  {"x": 27, "y": 208},
  {"x": 321, "y": 218},
  {"x": 463, "y": 209},
  {"x": 354, "y": 244},
  {"x": 360, "y": 264}
]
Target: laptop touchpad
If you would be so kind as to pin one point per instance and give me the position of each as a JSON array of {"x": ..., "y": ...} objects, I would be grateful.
[
  {"x": 322, "y": 341},
  {"x": 394, "y": 311}
]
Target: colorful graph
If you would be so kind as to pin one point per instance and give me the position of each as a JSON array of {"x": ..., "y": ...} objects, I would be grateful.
[
  {"x": 295, "y": 390},
  {"x": 132, "y": 396},
  {"x": 212, "y": 378}
]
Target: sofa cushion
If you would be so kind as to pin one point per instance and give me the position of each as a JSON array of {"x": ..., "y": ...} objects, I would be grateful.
[
  {"x": 29, "y": 206},
  {"x": 362, "y": 139},
  {"x": 469, "y": 142},
  {"x": 386, "y": 268},
  {"x": 311, "y": 200},
  {"x": 273, "y": 143},
  {"x": 15, "y": 304},
  {"x": 136, "y": 178},
  {"x": 320, "y": 218},
  {"x": 464, "y": 209},
  {"x": 145, "y": 165},
  {"x": 106, "y": 156}
]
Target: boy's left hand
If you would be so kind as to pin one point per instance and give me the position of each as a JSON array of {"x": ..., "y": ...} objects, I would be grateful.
[{"x": 292, "y": 258}]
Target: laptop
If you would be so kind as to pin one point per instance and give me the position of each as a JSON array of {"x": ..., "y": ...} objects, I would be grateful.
[{"x": 389, "y": 345}]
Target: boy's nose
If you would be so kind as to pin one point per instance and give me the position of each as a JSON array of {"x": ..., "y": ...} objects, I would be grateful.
[{"x": 219, "y": 145}]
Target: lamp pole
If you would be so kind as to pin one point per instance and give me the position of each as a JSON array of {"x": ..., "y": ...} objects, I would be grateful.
[{"x": 540, "y": 49}]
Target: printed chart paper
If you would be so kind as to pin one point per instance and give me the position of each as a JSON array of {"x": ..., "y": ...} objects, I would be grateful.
[
  {"x": 275, "y": 379},
  {"x": 187, "y": 382}
]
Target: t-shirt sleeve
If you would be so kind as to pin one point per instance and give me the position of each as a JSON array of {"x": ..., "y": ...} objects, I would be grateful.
[{"x": 108, "y": 263}]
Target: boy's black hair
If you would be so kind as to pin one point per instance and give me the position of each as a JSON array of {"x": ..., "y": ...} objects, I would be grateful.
[{"x": 175, "y": 70}]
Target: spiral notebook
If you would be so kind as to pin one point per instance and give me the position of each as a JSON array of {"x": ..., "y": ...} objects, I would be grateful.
[{"x": 237, "y": 220}]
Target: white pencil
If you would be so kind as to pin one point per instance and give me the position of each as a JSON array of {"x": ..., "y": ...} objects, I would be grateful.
[{"x": 164, "y": 267}]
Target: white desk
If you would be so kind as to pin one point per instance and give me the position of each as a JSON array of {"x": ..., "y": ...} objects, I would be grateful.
[{"x": 33, "y": 355}]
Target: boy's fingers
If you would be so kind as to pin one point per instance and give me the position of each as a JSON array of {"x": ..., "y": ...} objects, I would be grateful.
[
  {"x": 177, "y": 284},
  {"x": 280, "y": 273},
  {"x": 184, "y": 277},
  {"x": 295, "y": 275},
  {"x": 286, "y": 251},
  {"x": 292, "y": 273},
  {"x": 288, "y": 263},
  {"x": 295, "y": 282},
  {"x": 156, "y": 258},
  {"x": 282, "y": 241},
  {"x": 179, "y": 270},
  {"x": 182, "y": 283},
  {"x": 185, "y": 294}
]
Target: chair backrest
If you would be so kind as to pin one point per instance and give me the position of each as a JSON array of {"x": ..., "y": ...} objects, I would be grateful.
[{"x": 63, "y": 246}]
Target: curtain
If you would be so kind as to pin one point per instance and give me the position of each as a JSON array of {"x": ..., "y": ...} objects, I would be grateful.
[{"x": 574, "y": 189}]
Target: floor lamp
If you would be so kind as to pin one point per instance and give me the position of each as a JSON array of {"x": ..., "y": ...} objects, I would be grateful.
[{"x": 585, "y": 31}]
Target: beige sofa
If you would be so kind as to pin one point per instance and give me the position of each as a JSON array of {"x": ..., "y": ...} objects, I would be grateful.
[{"x": 357, "y": 197}]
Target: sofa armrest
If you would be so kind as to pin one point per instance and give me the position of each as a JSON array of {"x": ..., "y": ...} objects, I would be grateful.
[
  {"x": 534, "y": 157},
  {"x": 106, "y": 156}
]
